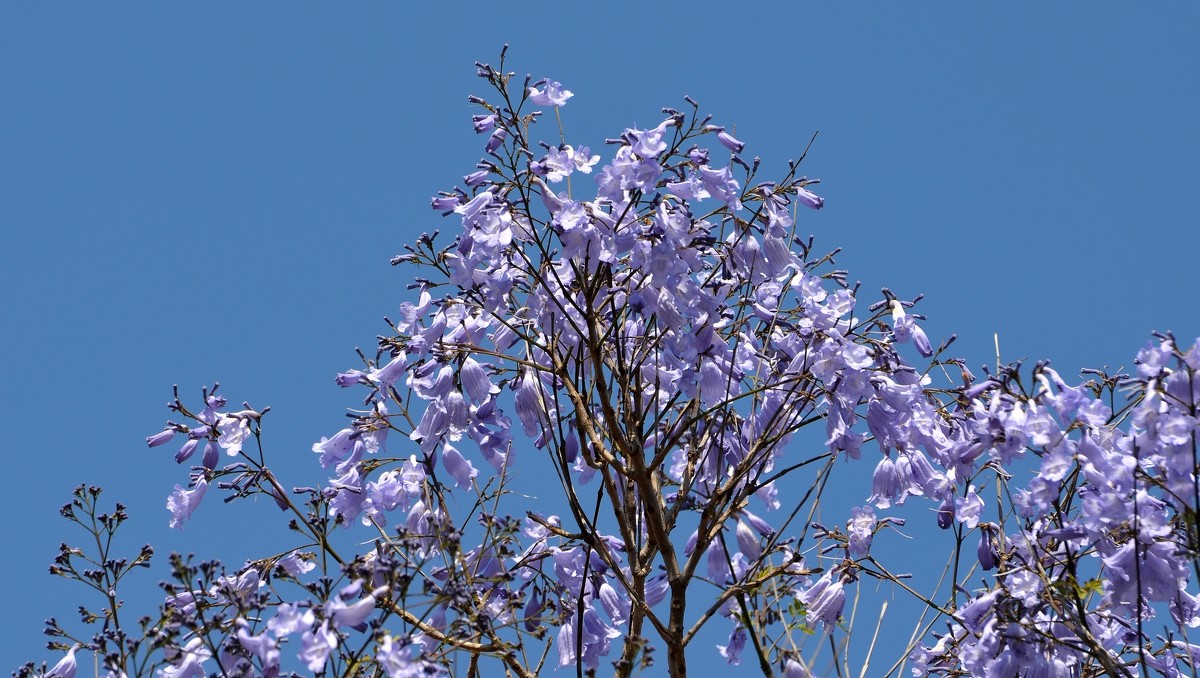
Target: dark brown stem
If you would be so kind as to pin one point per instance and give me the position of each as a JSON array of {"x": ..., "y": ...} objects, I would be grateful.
[
  {"x": 676, "y": 657},
  {"x": 627, "y": 663}
]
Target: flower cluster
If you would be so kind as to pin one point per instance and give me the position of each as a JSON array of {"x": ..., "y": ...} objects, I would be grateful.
[
  {"x": 662, "y": 342},
  {"x": 1100, "y": 542}
]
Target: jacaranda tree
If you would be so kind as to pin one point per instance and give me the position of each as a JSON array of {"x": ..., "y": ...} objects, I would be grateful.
[{"x": 648, "y": 325}]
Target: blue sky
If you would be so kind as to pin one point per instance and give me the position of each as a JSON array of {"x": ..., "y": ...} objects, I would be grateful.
[{"x": 192, "y": 193}]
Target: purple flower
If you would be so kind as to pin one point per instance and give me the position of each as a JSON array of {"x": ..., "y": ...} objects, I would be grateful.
[
  {"x": 567, "y": 656},
  {"x": 825, "y": 600},
  {"x": 315, "y": 646},
  {"x": 595, "y": 641},
  {"x": 809, "y": 199},
  {"x": 886, "y": 485},
  {"x": 729, "y": 142},
  {"x": 288, "y": 619},
  {"x": 456, "y": 414},
  {"x": 905, "y": 330},
  {"x": 1192, "y": 357},
  {"x": 1143, "y": 571},
  {"x": 718, "y": 563},
  {"x": 236, "y": 588},
  {"x": 351, "y": 377},
  {"x": 647, "y": 144},
  {"x": 973, "y": 612},
  {"x": 496, "y": 140},
  {"x": 1152, "y": 358},
  {"x": 795, "y": 669},
  {"x": 732, "y": 652},
  {"x": 187, "y": 450},
  {"x": 925, "y": 479},
  {"x": 335, "y": 449},
  {"x": 475, "y": 381},
  {"x": 690, "y": 189},
  {"x": 1024, "y": 585},
  {"x": 615, "y": 604},
  {"x": 65, "y": 668},
  {"x": 968, "y": 509},
  {"x": 294, "y": 565},
  {"x": 714, "y": 384},
  {"x": 986, "y": 551},
  {"x": 760, "y": 526},
  {"x": 945, "y": 514},
  {"x": 161, "y": 438},
  {"x": 721, "y": 185},
  {"x": 748, "y": 542},
  {"x": 185, "y": 602},
  {"x": 921, "y": 341},
  {"x": 1189, "y": 651},
  {"x": 393, "y": 488},
  {"x": 446, "y": 202},
  {"x": 597, "y": 638},
  {"x": 556, "y": 166},
  {"x": 861, "y": 528},
  {"x": 355, "y": 614},
  {"x": 477, "y": 178},
  {"x": 626, "y": 173},
  {"x": 390, "y": 373},
  {"x": 552, "y": 95},
  {"x": 183, "y": 502},
  {"x": 458, "y": 467},
  {"x": 347, "y": 496},
  {"x": 533, "y": 610},
  {"x": 1185, "y": 609},
  {"x": 263, "y": 646},
  {"x": 396, "y": 658},
  {"x": 583, "y": 158},
  {"x": 531, "y": 409},
  {"x": 657, "y": 588},
  {"x": 233, "y": 431},
  {"x": 483, "y": 123},
  {"x": 210, "y": 456},
  {"x": 188, "y": 661}
]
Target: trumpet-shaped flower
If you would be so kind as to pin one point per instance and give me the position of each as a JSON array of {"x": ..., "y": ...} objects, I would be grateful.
[
  {"x": 183, "y": 502},
  {"x": 553, "y": 94},
  {"x": 825, "y": 600}
]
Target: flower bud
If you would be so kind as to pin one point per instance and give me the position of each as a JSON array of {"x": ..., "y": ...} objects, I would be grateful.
[{"x": 945, "y": 515}]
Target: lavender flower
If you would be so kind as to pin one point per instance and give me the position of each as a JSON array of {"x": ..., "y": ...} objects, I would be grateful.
[
  {"x": 825, "y": 600},
  {"x": 483, "y": 123},
  {"x": 478, "y": 178},
  {"x": 263, "y": 646},
  {"x": 290, "y": 618},
  {"x": 809, "y": 199},
  {"x": 968, "y": 509},
  {"x": 458, "y": 467},
  {"x": 728, "y": 141},
  {"x": 188, "y": 662},
  {"x": 316, "y": 645},
  {"x": 187, "y": 450},
  {"x": 65, "y": 668},
  {"x": 861, "y": 529},
  {"x": 732, "y": 650},
  {"x": 795, "y": 669},
  {"x": 295, "y": 564},
  {"x": 161, "y": 438},
  {"x": 552, "y": 95},
  {"x": 183, "y": 502},
  {"x": 396, "y": 658}
]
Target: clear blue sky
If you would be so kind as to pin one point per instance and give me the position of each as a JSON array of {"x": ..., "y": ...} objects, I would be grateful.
[{"x": 198, "y": 192}]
